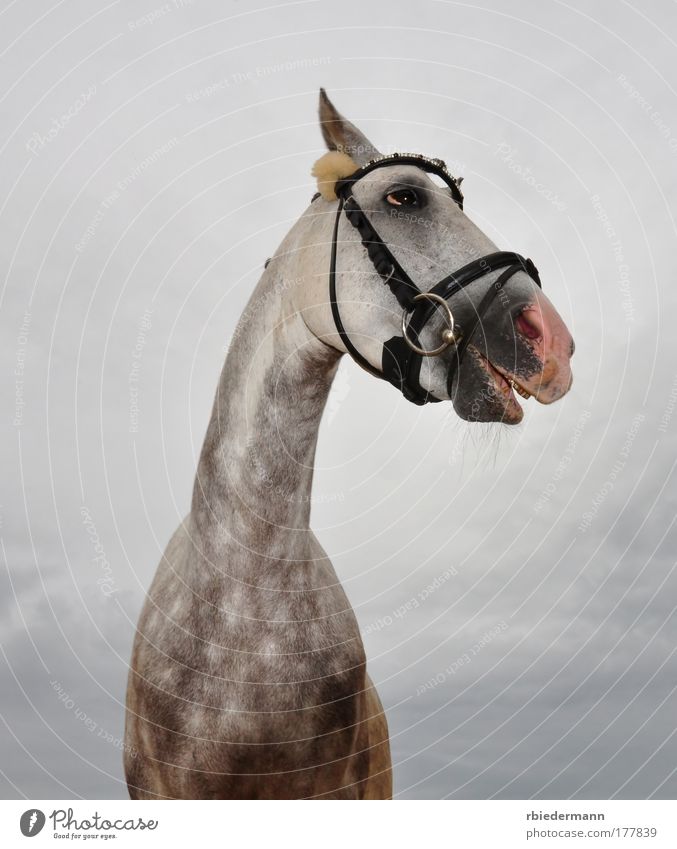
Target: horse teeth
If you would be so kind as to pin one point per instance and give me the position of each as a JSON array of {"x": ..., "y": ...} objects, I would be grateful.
[{"x": 519, "y": 390}]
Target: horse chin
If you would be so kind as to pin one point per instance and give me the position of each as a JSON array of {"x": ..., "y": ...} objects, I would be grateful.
[{"x": 484, "y": 394}]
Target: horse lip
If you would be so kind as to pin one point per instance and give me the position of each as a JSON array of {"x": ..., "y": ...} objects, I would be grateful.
[
  {"x": 513, "y": 412},
  {"x": 509, "y": 379},
  {"x": 524, "y": 393}
]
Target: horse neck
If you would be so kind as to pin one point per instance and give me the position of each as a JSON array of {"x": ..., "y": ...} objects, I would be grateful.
[{"x": 255, "y": 473}]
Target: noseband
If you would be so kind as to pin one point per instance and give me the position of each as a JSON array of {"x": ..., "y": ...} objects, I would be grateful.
[{"x": 403, "y": 355}]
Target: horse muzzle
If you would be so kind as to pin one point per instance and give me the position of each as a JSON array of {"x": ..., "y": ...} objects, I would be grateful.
[{"x": 540, "y": 327}]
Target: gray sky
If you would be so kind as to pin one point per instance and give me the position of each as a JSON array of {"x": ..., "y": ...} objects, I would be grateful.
[{"x": 151, "y": 158}]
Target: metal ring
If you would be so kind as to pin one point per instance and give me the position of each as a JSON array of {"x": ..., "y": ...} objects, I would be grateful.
[{"x": 448, "y": 334}]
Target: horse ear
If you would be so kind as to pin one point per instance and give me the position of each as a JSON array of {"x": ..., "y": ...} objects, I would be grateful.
[{"x": 339, "y": 134}]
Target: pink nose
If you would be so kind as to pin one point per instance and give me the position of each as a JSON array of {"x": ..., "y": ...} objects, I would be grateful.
[{"x": 549, "y": 338}]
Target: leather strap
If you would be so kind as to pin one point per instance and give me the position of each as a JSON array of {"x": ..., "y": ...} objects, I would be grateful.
[
  {"x": 352, "y": 350},
  {"x": 430, "y": 166},
  {"x": 392, "y": 273}
]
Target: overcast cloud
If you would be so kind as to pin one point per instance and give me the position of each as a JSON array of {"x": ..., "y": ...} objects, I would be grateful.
[{"x": 152, "y": 156}]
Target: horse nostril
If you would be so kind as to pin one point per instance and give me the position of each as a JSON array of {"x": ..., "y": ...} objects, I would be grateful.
[{"x": 526, "y": 325}]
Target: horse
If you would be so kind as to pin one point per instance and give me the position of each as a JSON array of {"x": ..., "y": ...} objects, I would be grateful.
[{"x": 248, "y": 675}]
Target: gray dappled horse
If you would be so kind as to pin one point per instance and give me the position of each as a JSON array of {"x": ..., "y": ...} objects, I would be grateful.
[{"x": 248, "y": 676}]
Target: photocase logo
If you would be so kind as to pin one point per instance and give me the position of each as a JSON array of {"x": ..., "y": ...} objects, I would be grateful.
[{"x": 31, "y": 822}]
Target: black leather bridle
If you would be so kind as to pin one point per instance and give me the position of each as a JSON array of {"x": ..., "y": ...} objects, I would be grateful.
[{"x": 402, "y": 355}]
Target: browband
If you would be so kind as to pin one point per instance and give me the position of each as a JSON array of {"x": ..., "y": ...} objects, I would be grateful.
[
  {"x": 401, "y": 360},
  {"x": 430, "y": 166}
]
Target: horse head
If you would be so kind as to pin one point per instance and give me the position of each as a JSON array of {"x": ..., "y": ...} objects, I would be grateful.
[{"x": 400, "y": 235}]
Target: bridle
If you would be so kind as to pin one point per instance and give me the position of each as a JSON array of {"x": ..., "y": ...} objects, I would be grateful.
[{"x": 403, "y": 355}]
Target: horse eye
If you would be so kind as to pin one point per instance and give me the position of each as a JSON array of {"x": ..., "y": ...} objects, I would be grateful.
[{"x": 402, "y": 197}]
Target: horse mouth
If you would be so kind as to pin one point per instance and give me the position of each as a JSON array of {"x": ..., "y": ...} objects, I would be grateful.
[{"x": 506, "y": 387}]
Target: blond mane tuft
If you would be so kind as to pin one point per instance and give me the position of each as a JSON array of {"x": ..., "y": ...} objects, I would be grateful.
[{"x": 331, "y": 167}]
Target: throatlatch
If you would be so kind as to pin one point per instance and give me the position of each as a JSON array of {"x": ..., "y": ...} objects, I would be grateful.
[{"x": 403, "y": 355}]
